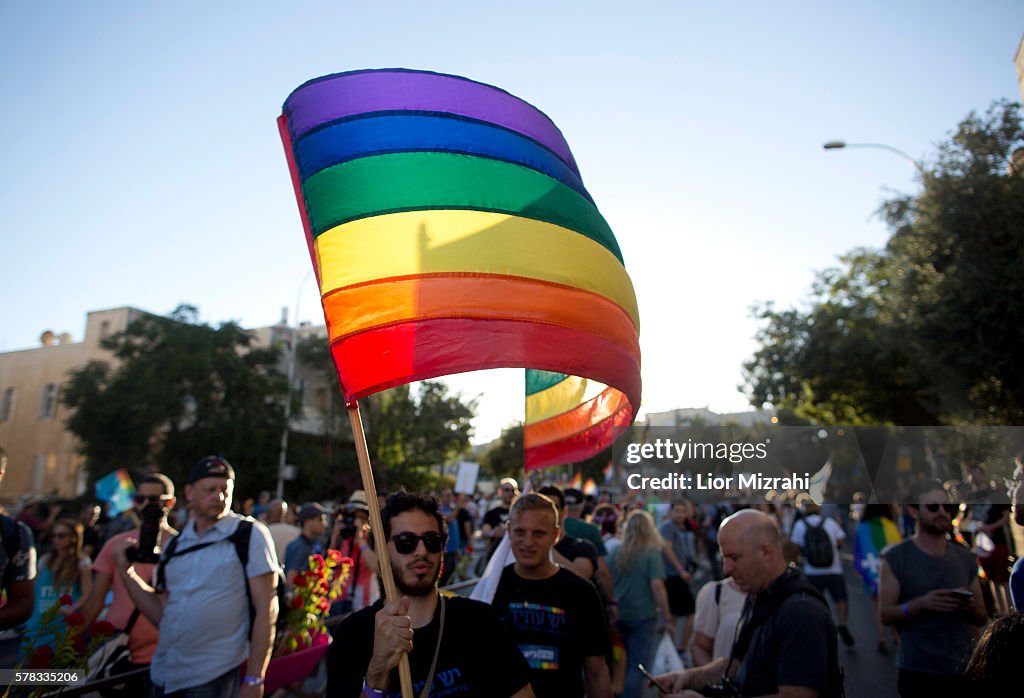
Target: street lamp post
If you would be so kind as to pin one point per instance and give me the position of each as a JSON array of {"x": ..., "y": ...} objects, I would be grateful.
[
  {"x": 837, "y": 145},
  {"x": 283, "y": 455}
]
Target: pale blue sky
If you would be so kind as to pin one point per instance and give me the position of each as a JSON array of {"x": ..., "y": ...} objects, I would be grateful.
[{"x": 142, "y": 166}]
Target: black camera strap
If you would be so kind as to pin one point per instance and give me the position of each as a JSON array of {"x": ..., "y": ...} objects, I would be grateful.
[
  {"x": 131, "y": 621},
  {"x": 741, "y": 625}
]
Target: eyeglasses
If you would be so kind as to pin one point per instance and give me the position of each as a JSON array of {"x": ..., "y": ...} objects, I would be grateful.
[
  {"x": 406, "y": 543},
  {"x": 934, "y": 508},
  {"x": 60, "y": 536},
  {"x": 151, "y": 498}
]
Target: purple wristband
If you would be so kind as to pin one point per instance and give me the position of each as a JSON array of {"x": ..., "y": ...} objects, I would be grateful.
[{"x": 373, "y": 692}]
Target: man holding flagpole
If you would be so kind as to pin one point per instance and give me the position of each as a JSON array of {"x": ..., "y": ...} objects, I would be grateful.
[{"x": 442, "y": 635}]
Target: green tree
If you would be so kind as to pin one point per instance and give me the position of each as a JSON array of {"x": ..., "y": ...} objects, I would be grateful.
[
  {"x": 408, "y": 435},
  {"x": 927, "y": 330},
  {"x": 178, "y": 390},
  {"x": 504, "y": 458}
]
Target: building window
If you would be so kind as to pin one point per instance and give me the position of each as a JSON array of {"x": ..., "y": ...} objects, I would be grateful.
[
  {"x": 7, "y": 405},
  {"x": 104, "y": 329},
  {"x": 39, "y": 464},
  {"x": 48, "y": 401}
]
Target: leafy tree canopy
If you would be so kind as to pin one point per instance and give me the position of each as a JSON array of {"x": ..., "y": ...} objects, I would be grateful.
[
  {"x": 504, "y": 458},
  {"x": 928, "y": 329},
  {"x": 178, "y": 390},
  {"x": 409, "y": 434}
]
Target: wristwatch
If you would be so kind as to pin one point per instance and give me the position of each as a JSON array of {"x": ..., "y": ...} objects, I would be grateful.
[
  {"x": 252, "y": 680},
  {"x": 373, "y": 692}
]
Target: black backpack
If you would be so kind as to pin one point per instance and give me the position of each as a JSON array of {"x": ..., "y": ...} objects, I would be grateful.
[
  {"x": 240, "y": 540},
  {"x": 817, "y": 545}
]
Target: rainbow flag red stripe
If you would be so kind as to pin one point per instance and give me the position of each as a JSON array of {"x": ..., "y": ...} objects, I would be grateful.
[{"x": 450, "y": 231}]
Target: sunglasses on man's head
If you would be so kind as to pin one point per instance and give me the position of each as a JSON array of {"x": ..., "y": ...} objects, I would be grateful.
[
  {"x": 151, "y": 498},
  {"x": 934, "y": 508},
  {"x": 406, "y": 543}
]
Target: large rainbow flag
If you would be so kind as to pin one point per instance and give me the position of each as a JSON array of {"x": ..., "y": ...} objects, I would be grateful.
[{"x": 450, "y": 231}]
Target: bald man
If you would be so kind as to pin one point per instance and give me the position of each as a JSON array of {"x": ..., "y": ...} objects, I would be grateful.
[
  {"x": 281, "y": 531},
  {"x": 786, "y": 645}
]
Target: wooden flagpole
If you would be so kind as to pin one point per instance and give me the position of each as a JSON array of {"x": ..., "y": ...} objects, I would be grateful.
[{"x": 377, "y": 524}]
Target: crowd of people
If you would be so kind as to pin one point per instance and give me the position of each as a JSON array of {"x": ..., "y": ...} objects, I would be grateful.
[{"x": 749, "y": 595}]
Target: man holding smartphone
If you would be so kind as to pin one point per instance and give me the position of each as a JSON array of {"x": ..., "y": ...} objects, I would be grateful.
[{"x": 928, "y": 587}]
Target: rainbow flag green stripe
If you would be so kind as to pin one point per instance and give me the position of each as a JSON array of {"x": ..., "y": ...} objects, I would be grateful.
[
  {"x": 397, "y": 182},
  {"x": 537, "y": 380}
]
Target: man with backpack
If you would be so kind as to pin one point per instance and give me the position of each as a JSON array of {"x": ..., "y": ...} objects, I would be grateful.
[
  {"x": 820, "y": 538},
  {"x": 17, "y": 578},
  {"x": 219, "y": 573},
  {"x": 785, "y": 641}
]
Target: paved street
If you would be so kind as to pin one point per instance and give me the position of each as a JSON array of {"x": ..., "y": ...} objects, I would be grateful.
[{"x": 868, "y": 673}]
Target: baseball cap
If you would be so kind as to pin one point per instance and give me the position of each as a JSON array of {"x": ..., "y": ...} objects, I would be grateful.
[
  {"x": 573, "y": 497},
  {"x": 210, "y": 466},
  {"x": 311, "y": 511}
]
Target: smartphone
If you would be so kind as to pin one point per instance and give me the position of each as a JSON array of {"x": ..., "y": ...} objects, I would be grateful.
[
  {"x": 962, "y": 593},
  {"x": 660, "y": 686}
]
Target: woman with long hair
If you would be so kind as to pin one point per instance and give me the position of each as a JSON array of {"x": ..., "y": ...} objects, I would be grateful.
[
  {"x": 66, "y": 569},
  {"x": 639, "y": 574}
]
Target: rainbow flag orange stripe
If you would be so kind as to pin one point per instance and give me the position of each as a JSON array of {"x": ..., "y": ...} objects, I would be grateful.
[{"x": 450, "y": 231}]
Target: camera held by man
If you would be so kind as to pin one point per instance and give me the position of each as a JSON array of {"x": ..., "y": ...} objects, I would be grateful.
[{"x": 152, "y": 515}]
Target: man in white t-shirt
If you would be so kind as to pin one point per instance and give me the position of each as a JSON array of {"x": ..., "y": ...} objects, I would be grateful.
[
  {"x": 719, "y": 607},
  {"x": 822, "y": 568}
]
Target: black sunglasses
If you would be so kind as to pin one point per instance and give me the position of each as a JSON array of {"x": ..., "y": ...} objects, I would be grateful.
[
  {"x": 406, "y": 543},
  {"x": 950, "y": 508},
  {"x": 151, "y": 498}
]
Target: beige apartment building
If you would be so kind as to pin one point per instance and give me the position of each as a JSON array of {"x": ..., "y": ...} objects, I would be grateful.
[{"x": 42, "y": 456}]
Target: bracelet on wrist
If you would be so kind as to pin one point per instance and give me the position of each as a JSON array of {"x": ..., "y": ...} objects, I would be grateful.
[
  {"x": 906, "y": 610},
  {"x": 252, "y": 680},
  {"x": 373, "y": 692}
]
